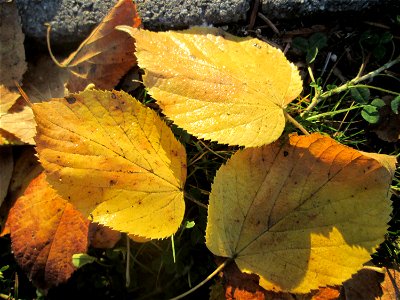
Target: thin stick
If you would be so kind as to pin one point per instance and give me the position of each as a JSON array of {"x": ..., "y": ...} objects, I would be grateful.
[
  {"x": 269, "y": 23},
  {"x": 195, "y": 201},
  {"x": 209, "y": 277},
  {"x": 295, "y": 123}
]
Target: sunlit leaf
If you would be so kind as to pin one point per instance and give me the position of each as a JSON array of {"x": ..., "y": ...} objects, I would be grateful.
[
  {"x": 217, "y": 86},
  {"x": 115, "y": 160},
  {"x": 45, "y": 232},
  {"x": 301, "y": 214}
]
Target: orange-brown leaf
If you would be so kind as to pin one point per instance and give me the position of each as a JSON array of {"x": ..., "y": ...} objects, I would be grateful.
[
  {"x": 26, "y": 167},
  {"x": 107, "y": 54},
  {"x": 391, "y": 285},
  {"x": 46, "y": 231}
]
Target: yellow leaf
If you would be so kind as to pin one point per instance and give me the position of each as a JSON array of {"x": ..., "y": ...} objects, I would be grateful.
[
  {"x": 302, "y": 214},
  {"x": 217, "y": 86},
  {"x": 19, "y": 123},
  {"x": 115, "y": 160}
]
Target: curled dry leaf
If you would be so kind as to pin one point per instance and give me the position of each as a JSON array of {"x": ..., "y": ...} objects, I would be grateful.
[
  {"x": 45, "y": 80},
  {"x": 365, "y": 284},
  {"x": 115, "y": 160},
  {"x": 391, "y": 285},
  {"x": 107, "y": 54},
  {"x": 218, "y": 86},
  {"x": 12, "y": 52},
  {"x": 301, "y": 214},
  {"x": 45, "y": 232}
]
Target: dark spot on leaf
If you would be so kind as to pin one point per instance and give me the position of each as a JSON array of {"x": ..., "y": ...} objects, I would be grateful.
[
  {"x": 285, "y": 153},
  {"x": 70, "y": 99},
  {"x": 113, "y": 96},
  {"x": 112, "y": 182}
]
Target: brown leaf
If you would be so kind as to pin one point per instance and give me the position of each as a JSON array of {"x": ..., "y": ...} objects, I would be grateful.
[
  {"x": 107, "y": 54},
  {"x": 103, "y": 237},
  {"x": 244, "y": 286},
  {"x": 12, "y": 52},
  {"x": 327, "y": 293},
  {"x": 25, "y": 169},
  {"x": 45, "y": 80},
  {"x": 391, "y": 285},
  {"x": 45, "y": 232},
  {"x": 365, "y": 284}
]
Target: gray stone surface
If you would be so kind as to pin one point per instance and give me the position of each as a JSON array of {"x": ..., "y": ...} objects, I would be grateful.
[
  {"x": 71, "y": 20},
  {"x": 167, "y": 14},
  {"x": 287, "y": 9}
]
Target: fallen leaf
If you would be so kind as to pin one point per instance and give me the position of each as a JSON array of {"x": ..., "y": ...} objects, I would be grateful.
[
  {"x": 218, "y": 86},
  {"x": 45, "y": 232},
  {"x": 45, "y": 80},
  {"x": 107, "y": 54},
  {"x": 365, "y": 284},
  {"x": 301, "y": 214},
  {"x": 391, "y": 285},
  {"x": 26, "y": 168},
  {"x": 6, "y": 167},
  {"x": 245, "y": 286},
  {"x": 115, "y": 160},
  {"x": 103, "y": 237},
  {"x": 19, "y": 122},
  {"x": 326, "y": 293},
  {"x": 7, "y": 99},
  {"x": 12, "y": 52}
]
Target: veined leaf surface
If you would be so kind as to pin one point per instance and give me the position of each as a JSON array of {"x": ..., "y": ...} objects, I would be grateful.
[
  {"x": 302, "y": 214},
  {"x": 115, "y": 160},
  {"x": 217, "y": 86}
]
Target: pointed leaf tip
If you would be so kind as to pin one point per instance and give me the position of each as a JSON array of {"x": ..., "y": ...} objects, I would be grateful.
[{"x": 115, "y": 160}]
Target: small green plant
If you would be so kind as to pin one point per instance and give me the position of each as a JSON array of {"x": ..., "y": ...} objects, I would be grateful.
[{"x": 311, "y": 46}]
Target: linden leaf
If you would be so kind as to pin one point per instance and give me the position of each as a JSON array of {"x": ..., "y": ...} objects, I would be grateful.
[
  {"x": 19, "y": 123},
  {"x": 115, "y": 160},
  {"x": 7, "y": 99},
  {"x": 106, "y": 55},
  {"x": 45, "y": 232},
  {"x": 217, "y": 86},
  {"x": 302, "y": 214}
]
